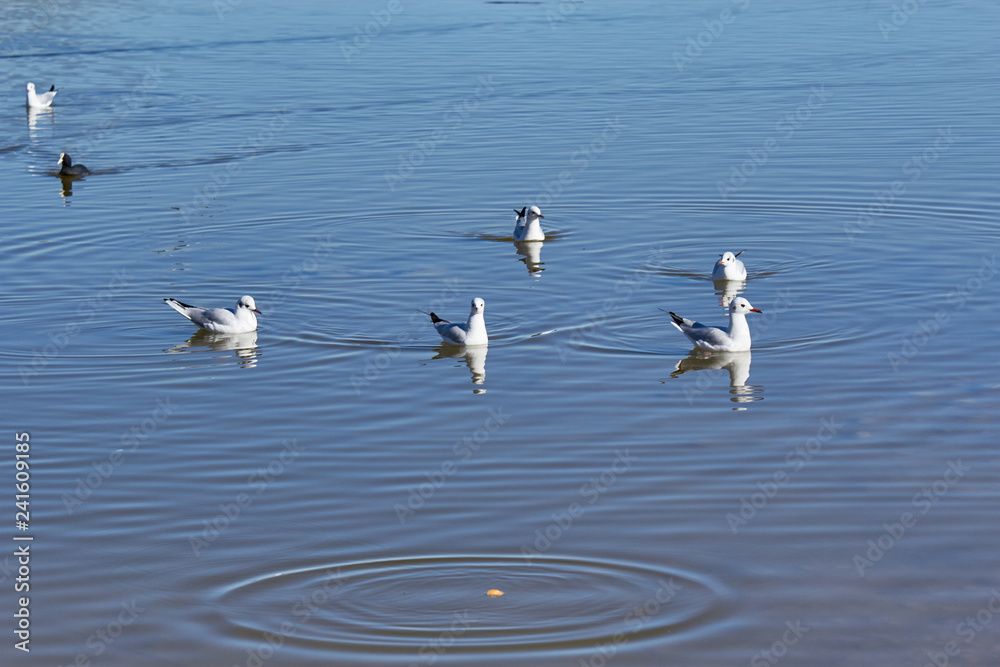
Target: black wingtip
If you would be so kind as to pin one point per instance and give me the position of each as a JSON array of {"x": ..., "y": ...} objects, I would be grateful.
[
  {"x": 521, "y": 212},
  {"x": 52, "y": 89},
  {"x": 740, "y": 252},
  {"x": 179, "y": 303},
  {"x": 675, "y": 317},
  {"x": 435, "y": 319}
]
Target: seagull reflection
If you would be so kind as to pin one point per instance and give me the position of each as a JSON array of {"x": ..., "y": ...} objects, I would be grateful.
[
  {"x": 475, "y": 359},
  {"x": 244, "y": 345},
  {"x": 738, "y": 365},
  {"x": 728, "y": 290},
  {"x": 531, "y": 251},
  {"x": 37, "y": 115}
]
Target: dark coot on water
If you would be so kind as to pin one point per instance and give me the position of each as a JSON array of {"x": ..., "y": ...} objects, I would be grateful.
[{"x": 67, "y": 168}]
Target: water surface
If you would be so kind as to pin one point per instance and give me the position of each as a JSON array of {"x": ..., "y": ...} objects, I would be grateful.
[{"x": 338, "y": 488}]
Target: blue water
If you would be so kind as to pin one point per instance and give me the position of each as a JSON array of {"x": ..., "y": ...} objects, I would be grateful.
[{"x": 338, "y": 488}]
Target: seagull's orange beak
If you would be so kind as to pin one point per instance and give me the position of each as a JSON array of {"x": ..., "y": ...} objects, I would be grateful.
[{"x": 755, "y": 310}]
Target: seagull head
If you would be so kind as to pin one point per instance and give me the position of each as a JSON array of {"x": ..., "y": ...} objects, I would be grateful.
[
  {"x": 727, "y": 259},
  {"x": 31, "y": 87},
  {"x": 478, "y": 306},
  {"x": 741, "y": 305},
  {"x": 535, "y": 212},
  {"x": 248, "y": 303}
]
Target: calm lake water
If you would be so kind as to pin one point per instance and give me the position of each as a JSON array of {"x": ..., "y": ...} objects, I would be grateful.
[{"x": 337, "y": 488}]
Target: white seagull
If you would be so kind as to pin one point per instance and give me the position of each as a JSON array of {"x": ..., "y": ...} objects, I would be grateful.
[
  {"x": 527, "y": 227},
  {"x": 472, "y": 332},
  {"x": 734, "y": 339},
  {"x": 221, "y": 320},
  {"x": 67, "y": 168},
  {"x": 730, "y": 268},
  {"x": 40, "y": 100}
]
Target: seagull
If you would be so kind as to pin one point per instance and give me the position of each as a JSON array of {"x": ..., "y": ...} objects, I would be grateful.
[
  {"x": 472, "y": 332},
  {"x": 40, "y": 101},
  {"x": 527, "y": 227},
  {"x": 67, "y": 168},
  {"x": 221, "y": 320},
  {"x": 730, "y": 268},
  {"x": 734, "y": 339}
]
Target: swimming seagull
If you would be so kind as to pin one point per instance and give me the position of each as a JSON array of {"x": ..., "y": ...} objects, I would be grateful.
[
  {"x": 221, "y": 320},
  {"x": 734, "y": 339},
  {"x": 730, "y": 268},
  {"x": 40, "y": 101},
  {"x": 527, "y": 227},
  {"x": 472, "y": 332},
  {"x": 67, "y": 168}
]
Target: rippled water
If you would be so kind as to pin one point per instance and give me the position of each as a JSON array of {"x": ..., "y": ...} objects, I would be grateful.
[{"x": 339, "y": 488}]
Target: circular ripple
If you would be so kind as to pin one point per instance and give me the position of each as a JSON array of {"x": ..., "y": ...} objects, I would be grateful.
[{"x": 400, "y": 605}]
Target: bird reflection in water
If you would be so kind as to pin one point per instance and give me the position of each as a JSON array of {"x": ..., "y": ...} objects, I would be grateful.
[
  {"x": 35, "y": 116},
  {"x": 475, "y": 359},
  {"x": 727, "y": 290},
  {"x": 736, "y": 363},
  {"x": 531, "y": 252},
  {"x": 243, "y": 345}
]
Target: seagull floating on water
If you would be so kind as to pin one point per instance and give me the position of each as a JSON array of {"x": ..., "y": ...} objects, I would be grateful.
[
  {"x": 40, "y": 100},
  {"x": 730, "y": 268},
  {"x": 221, "y": 320},
  {"x": 472, "y": 332},
  {"x": 734, "y": 339},
  {"x": 527, "y": 227},
  {"x": 67, "y": 168}
]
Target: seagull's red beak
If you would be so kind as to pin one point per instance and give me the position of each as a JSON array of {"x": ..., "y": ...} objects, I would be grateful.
[
  {"x": 259, "y": 313},
  {"x": 755, "y": 310}
]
